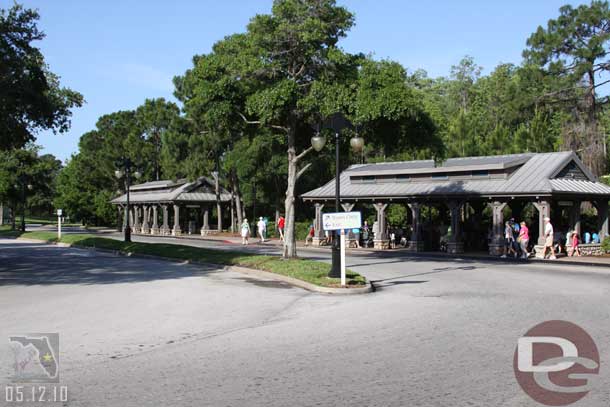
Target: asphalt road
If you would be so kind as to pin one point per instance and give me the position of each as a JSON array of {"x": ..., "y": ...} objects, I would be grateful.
[{"x": 137, "y": 332}]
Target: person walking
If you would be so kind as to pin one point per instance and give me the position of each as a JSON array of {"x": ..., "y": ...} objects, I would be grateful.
[
  {"x": 356, "y": 232},
  {"x": 366, "y": 232},
  {"x": 523, "y": 239},
  {"x": 310, "y": 235},
  {"x": 281, "y": 222},
  {"x": 245, "y": 232},
  {"x": 549, "y": 233},
  {"x": 261, "y": 226},
  {"x": 509, "y": 240},
  {"x": 575, "y": 250}
]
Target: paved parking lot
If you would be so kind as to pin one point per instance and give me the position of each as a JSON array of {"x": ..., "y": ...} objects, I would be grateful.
[{"x": 139, "y": 332}]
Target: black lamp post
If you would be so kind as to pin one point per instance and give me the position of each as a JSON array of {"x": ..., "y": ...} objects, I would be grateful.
[
  {"x": 336, "y": 122},
  {"x": 124, "y": 171},
  {"x": 23, "y": 180}
]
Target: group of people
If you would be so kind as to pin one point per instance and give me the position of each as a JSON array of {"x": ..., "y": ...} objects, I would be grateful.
[
  {"x": 516, "y": 239},
  {"x": 360, "y": 237},
  {"x": 261, "y": 227}
]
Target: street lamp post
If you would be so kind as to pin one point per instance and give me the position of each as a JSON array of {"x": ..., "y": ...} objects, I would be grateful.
[
  {"x": 124, "y": 171},
  {"x": 336, "y": 122},
  {"x": 23, "y": 180}
]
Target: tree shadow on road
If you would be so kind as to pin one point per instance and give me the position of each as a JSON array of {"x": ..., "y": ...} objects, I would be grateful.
[{"x": 49, "y": 265}]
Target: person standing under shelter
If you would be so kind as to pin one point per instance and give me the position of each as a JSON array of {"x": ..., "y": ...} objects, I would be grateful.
[
  {"x": 261, "y": 226},
  {"x": 375, "y": 230},
  {"x": 523, "y": 239},
  {"x": 245, "y": 232},
  {"x": 366, "y": 234},
  {"x": 281, "y": 223},
  {"x": 356, "y": 232},
  {"x": 574, "y": 240},
  {"x": 548, "y": 238},
  {"x": 509, "y": 240},
  {"x": 310, "y": 235}
]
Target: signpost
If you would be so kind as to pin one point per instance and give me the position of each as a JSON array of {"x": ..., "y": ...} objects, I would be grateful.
[
  {"x": 342, "y": 221},
  {"x": 59, "y": 213}
]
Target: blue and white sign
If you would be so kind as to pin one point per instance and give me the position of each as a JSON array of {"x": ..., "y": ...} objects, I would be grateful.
[{"x": 341, "y": 220}]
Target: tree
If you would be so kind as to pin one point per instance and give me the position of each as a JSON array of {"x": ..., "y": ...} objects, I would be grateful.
[
  {"x": 155, "y": 118},
  {"x": 464, "y": 76},
  {"x": 38, "y": 171},
  {"x": 575, "y": 46},
  {"x": 295, "y": 43},
  {"x": 269, "y": 86},
  {"x": 31, "y": 97},
  {"x": 87, "y": 183}
]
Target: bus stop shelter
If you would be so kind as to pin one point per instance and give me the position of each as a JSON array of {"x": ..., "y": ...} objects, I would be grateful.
[{"x": 557, "y": 184}]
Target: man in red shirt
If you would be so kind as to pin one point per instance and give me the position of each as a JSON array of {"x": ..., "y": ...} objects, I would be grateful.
[{"x": 281, "y": 222}]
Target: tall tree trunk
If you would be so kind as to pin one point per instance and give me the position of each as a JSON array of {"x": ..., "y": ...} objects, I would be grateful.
[
  {"x": 237, "y": 197},
  {"x": 594, "y": 143},
  {"x": 157, "y": 146},
  {"x": 1, "y": 213},
  {"x": 13, "y": 217},
  {"x": 290, "y": 241}
]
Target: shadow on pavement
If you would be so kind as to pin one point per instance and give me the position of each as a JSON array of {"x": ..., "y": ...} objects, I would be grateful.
[{"x": 31, "y": 264}]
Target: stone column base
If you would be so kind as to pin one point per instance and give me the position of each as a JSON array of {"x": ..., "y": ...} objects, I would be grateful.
[
  {"x": 455, "y": 247},
  {"x": 350, "y": 243},
  {"x": 318, "y": 241},
  {"x": 164, "y": 231},
  {"x": 381, "y": 244},
  {"x": 204, "y": 232},
  {"x": 415, "y": 246},
  {"x": 154, "y": 231},
  {"x": 176, "y": 232},
  {"x": 145, "y": 230},
  {"x": 538, "y": 250},
  {"x": 496, "y": 249}
]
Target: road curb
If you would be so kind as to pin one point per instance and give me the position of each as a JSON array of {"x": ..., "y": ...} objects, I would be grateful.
[
  {"x": 510, "y": 260},
  {"x": 303, "y": 284},
  {"x": 368, "y": 288}
]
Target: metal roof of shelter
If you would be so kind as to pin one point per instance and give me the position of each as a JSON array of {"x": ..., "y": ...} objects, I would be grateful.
[
  {"x": 169, "y": 191},
  {"x": 529, "y": 174}
]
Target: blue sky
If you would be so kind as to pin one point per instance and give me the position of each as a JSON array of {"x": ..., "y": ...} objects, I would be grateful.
[{"x": 118, "y": 53}]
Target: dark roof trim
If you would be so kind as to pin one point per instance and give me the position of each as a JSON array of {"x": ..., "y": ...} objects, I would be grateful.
[{"x": 579, "y": 163}]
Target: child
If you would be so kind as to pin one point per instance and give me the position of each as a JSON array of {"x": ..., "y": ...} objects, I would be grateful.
[
  {"x": 310, "y": 235},
  {"x": 575, "y": 249},
  {"x": 281, "y": 223}
]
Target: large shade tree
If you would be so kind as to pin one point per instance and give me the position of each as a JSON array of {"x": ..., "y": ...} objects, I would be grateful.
[
  {"x": 31, "y": 97},
  {"x": 27, "y": 171},
  {"x": 272, "y": 84},
  {"x": 575, "y": 46},
  {"x": 156, "y": 117}
]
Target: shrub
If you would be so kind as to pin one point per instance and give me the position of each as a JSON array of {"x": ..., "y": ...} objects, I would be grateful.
[{"x": 606, "y": 245}]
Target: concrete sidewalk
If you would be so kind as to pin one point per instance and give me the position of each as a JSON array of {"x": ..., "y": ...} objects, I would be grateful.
[{"x": 235, "y": 240}]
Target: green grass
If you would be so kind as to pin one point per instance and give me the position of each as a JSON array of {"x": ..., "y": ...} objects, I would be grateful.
[
  {"x": 5, "y": 231},
  {"x": 45, "y": 221},
  {"x": 314, "y": 272}
]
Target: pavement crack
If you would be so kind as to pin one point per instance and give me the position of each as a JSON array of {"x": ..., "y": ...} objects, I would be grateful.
[{"x": 275, "y": 317}]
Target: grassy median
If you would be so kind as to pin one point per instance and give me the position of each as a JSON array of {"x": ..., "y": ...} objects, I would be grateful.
[{"x": 307, "y": 270}]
